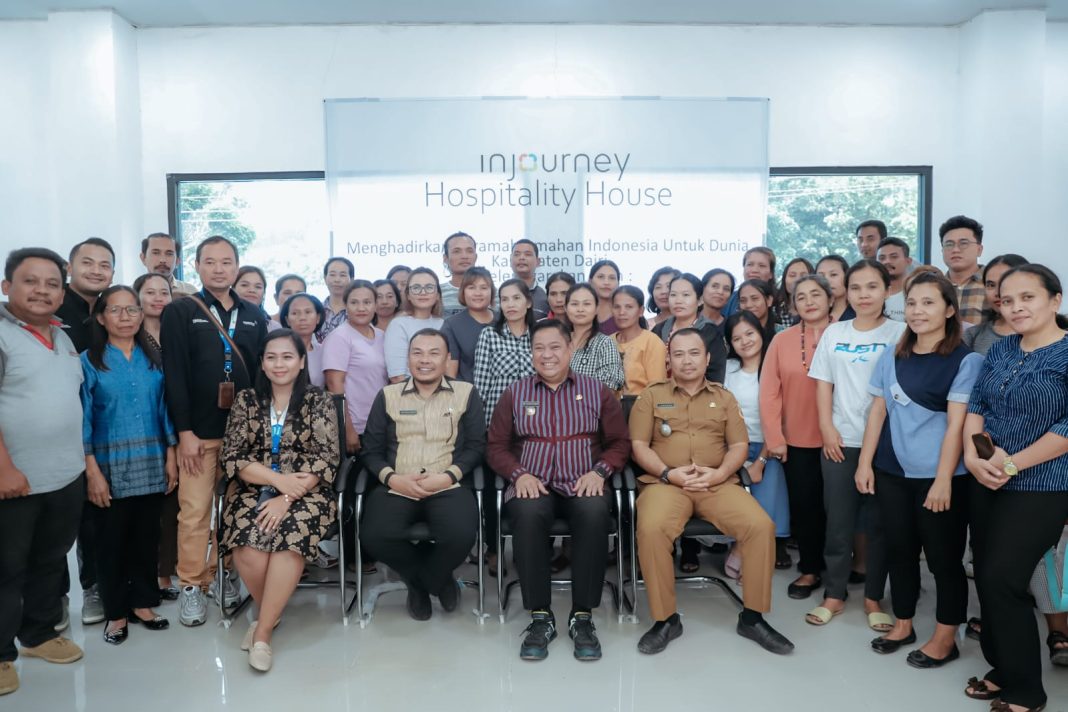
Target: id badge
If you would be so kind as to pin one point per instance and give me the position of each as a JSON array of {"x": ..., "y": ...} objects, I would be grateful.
[{"x": 226, "y": 395}]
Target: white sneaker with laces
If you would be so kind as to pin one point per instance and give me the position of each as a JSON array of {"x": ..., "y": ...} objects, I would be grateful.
[{"x": 192, "y": 608}]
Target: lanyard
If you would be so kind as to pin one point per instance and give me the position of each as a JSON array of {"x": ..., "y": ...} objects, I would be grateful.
[
  {"x": 277, "y": 424},
  {"x": 228, "y": 356}
]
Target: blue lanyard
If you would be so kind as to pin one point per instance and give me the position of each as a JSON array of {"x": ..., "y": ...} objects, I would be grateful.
[
  {"x": 277, "y": 424},
  {"x": 228, "y": 362}
]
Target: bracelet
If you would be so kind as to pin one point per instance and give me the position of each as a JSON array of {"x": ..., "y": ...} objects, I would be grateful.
[
  {"x": 763, "y": 460},
  {"x": 287, "y": 499}
]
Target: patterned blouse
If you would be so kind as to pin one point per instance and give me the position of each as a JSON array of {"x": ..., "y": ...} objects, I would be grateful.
[
  {"x": 333, "y": 320},
  {"x": 501, "y": 359},
  {"x": 600, "y": 359}
]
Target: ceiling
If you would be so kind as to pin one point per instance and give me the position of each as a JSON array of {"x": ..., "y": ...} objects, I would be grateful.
[{"x": 180, "y": 13}]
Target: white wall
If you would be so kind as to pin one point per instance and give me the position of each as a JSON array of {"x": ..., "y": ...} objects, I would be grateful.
[{"x": 245, "y": 99}]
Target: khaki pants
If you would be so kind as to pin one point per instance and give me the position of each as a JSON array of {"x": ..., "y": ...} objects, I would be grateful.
[
  {"x": 196, "y": 494},
  {"x": 663, "y": 511}
]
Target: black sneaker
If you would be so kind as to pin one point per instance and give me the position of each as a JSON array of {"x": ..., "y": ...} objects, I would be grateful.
[
  {"x": 581, "y": 630},
  {"x": 540, "y": 632},
  {"x": 449, "y": 596}
]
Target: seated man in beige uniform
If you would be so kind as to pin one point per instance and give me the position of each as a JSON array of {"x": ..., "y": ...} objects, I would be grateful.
[{"x": 689, "y": 438}]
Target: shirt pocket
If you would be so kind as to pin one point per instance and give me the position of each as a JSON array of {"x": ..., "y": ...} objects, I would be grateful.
[{"x": 897, "y": 393}]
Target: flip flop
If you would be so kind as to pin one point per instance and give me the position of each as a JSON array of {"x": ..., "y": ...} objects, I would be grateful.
[
  {"x": 821, "y": 616},
  {"x": 880, "y": 622}
]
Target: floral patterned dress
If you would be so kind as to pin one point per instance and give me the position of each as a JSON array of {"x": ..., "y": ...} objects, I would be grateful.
[{"x": 309, "y": 444}]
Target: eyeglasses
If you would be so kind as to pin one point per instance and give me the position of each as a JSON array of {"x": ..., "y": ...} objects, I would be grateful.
[
  {"x": 130, "y": 310},
  {"x": 422, "y": 288},
  {"x": 950, "y": 245}
]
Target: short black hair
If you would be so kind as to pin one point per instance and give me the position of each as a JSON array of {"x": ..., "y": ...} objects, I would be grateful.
[
  {"x": 526, "y": 241},
  {"x": 961, "y": 221},
  {"x": 281, "y": 281},
  {"x": 348, "y": 265},
  {"x": 601, "y": 264},
  {"x": 428, "y": 332},
  {"x": 651, "y": 304},
  {"x": 445, "y": 247},
  {"x": 894, "y": 242},
  {"x": 561, "y": 326},
  {"x": 320, "y": 312},
  {"x": 96, "y": 242},
  {"x": 303, "y": 382},
  {"x": 160, "y": 236},
  {"x": 17, "y": 257},
  {"x": 397, "y": 268},
  {"x": 215, "y": 240},
  {"x": 761, "y": 250},
  {"x": 877, "y": 224},
  {"x": 688, "y": 331}
]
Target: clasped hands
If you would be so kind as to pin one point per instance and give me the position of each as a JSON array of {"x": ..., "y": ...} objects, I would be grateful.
[
  {"x": 418, "y": 485},
  {"x": 989, "y": 473},
  {"x": 696, "y": 478},
  {"x": 290, "y": 487}
]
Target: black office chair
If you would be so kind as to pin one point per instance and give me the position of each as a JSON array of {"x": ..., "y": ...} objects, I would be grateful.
[
  {"x": 343, "y": 473},
  {"x": 560, "y": 528},
  {"x": 417, "y": 532},
  {"x": 695, "y": 527}
]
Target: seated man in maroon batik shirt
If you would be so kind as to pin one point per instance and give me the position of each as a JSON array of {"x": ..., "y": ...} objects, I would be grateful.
[{"x": 556, "y": 436}]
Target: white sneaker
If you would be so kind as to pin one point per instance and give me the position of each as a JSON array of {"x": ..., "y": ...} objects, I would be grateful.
[
  {"x": 231, "y": 590},
  {"x": 260, "y": 657},
  {"x": 64, "y": 618},
  {"x": 192, "y": 608},
  {"x": 328, "y": 553},
  {"x": 92, "y": 607}
]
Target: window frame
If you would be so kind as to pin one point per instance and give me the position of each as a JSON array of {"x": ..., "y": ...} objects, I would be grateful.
[{"x": 924, "y": 173}]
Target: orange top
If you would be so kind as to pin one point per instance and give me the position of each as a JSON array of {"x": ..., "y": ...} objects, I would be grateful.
[
  {"x": 644, "y": 362},
  {"x": 787, "y": 394}
]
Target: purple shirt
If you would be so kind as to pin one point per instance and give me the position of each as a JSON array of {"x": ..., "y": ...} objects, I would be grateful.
[{"x": 363, "y": 361}]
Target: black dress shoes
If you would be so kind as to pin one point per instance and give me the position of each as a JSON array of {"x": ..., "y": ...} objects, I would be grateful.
[
  {"x": 419, "y": 604},
  {"x": 663, "y": 632},
  {"x": 765, "y": 636},
  {"x": 919, "y": 659},
  {"x": 170, "y": 593},
  {"x": 154, "y": 623},
  {"x": 803, "y": 590},
  {"x": 450, "y": 596},
  {"x": 117, "y": 636},
  {"x": 885, "y": 646}
]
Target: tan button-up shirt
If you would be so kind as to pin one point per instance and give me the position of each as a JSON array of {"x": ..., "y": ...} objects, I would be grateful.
[{"x": 699, "y": 428}]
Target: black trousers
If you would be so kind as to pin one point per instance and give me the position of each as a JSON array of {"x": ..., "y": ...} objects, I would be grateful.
[
  {"x": 85, "y": 552},
  {"x": 808, "y": 519},
  {"x": 588, "y": 519},
  {"x": 451, "y": 515},
  {"x": 940, "y": 535},
  {"x": 168, "y": 535},
  {"x": 1012, "y": 532},
  {"x": 128, "y": 553},
  {"x": 36, "y": 532}
]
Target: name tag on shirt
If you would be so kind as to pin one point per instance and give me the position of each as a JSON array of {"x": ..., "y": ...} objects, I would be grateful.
[
  {"x": 410, "y": 411},
  {"x": 665, "y": 405},
  {"x": 530, "y": 408}
]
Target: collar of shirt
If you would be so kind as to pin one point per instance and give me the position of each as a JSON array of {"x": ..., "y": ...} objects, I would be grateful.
[
  {"x": 409, "y": 386},
  {"x": 76, "y": 300},
  {"x": 211, "y": 300},
  {"x": 539, "y": 381},
  {"x": 976, "y": 276},
  {"x": 708, "y": 386}
]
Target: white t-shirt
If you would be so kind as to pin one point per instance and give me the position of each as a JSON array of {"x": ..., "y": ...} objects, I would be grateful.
[
  {"x": 895, "y": 306},
  {"x": 745, "y": 387},
  {"x": 847, "y": 357}
]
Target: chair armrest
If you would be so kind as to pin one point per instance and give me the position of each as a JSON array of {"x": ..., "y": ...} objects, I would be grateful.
[
  {"x": 220, "y": 487},
  {"x": 630, "y": 481},
  {"x": 362, "y": 480},
  {"x": 478, "y": 478},
  {"x": 499, "y": 483},
  {"x": 617, "y": 481},
  {"x": 743, "y": 475},
  {"x": 344, "y": 471}
]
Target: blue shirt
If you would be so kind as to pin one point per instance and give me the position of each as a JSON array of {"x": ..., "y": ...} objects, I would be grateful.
[
  {"x": 125, "y": 424},
  {"x": 1022, "y": 396},
  {"x": 918, "y": 391}
]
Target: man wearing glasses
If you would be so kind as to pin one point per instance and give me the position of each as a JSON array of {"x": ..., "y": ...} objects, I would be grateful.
[{"x": 962, "y": 243}]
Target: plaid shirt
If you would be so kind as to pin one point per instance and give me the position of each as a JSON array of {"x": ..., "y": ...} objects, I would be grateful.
[
  {"x": 600, "y": 359},
  {"x": 971, "y": 296},
  {"x": 501, "y": 359}
]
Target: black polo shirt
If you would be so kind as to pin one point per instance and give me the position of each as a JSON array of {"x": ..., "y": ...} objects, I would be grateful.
[
  {"x": 74, "y": 313},
  {"x": 193, "y": 360}
]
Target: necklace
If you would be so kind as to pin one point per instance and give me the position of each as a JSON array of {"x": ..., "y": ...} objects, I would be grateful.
[{"x": 804, "y": 353}]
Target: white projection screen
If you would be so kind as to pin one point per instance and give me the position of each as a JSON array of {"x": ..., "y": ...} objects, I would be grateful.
[{"x": 644, "y": 181}]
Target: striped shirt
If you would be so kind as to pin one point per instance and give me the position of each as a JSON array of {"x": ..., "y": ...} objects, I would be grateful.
[
  {"x": 557, "y": 435},
  {"x": 125, "y": 423},
  {"x": 599, "y": 359},
  {"x": 1022, "y": 396}
]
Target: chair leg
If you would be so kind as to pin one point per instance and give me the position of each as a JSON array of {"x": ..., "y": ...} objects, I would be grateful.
[
  {"x": 500, "y": 560},
  {"x": 633, "y": 558},
  {"x": 341, "y": 557},
  {"x": 359, "y": 558},
  {"x": 619, "y": 558},
  {"x": 481, "y": 612},
  {"x": 220, "y": 572}
]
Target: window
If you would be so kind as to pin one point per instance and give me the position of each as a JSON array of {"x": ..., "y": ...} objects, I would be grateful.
[
  {"x": 815, "y": 211},
  {"x": 280, "y": 222}
]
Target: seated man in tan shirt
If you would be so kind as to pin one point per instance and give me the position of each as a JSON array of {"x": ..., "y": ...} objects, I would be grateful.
[{"x": 689, "y": 438}]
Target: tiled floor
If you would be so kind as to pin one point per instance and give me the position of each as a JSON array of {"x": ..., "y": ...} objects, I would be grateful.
[{"x": 452, "y": 662}]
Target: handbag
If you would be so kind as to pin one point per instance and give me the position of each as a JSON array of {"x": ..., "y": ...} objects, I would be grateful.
[{"x": 1058, "y": 585}]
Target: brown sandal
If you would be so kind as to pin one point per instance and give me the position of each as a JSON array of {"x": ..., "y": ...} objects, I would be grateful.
[
  {"x": 977, "y": 690},
  {"x": 999, "y": 706}
]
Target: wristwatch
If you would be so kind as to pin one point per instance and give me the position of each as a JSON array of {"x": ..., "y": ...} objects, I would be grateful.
[
  {"x": 1010, "y": 467},
  {"x": 664, "y": 476},
  {"x": 763, "y": 460}
]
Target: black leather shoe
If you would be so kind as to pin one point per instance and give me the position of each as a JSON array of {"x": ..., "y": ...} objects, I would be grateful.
[
  {"x": 540, "y": 632},
  {"x": 919, "y": 659},
  {"x": 803, "y": 590},
  {"x": 765, "y": 636},
  {"x": 154, "y": 623},
  {"x": 117, "y": 636},
  {"x": 663, "y": 632},
  {"x": 450, "y": 596},
  {"x": 419, "y": 604},
  {"x": 170, "y": 593},
  {"x": 581, "y": 630},
  {"x": 885, "y": 646}
]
